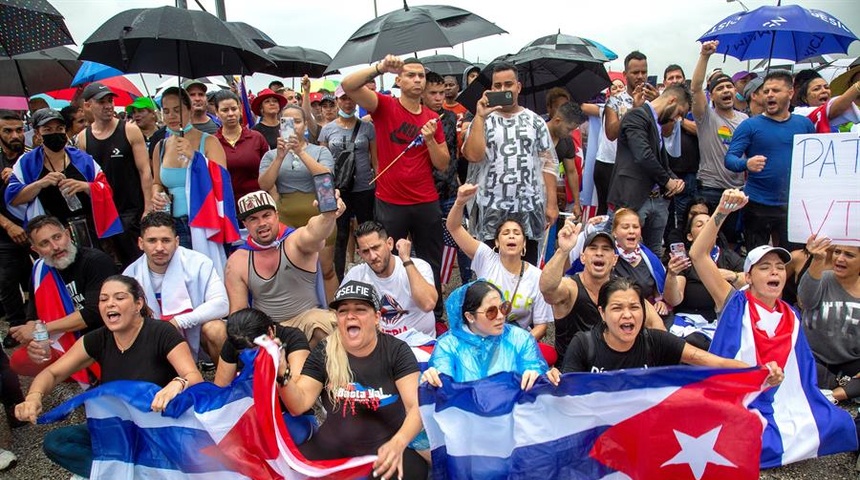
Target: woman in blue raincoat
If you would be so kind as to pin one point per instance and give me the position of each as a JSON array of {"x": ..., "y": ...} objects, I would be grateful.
[{"x": 481, "y": 343}]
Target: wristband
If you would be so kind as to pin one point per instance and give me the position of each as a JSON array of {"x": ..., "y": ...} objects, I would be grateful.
[
  {"x": 283, "y": 379},
  {"x": 407, "y": 263},
  {"x": 34, "y": 393},
  {"x": 376, "y": 67},
  {"x": 182, "y": 381}
]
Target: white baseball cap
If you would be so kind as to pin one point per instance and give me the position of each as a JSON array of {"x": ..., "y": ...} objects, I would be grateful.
[{"x": 755, "y": 255}]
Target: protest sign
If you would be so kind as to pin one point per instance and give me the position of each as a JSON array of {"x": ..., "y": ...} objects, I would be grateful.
[{"x": 824, "y": 195}]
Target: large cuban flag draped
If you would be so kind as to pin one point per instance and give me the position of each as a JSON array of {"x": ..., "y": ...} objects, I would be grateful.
[
  {"x": 801, "y": 422},
  {"x": 674, "y": 422},
  {"x": 206, "y": 432},
  {"x": 211, "y": 209},
  {"x": 27, "y": 170}
]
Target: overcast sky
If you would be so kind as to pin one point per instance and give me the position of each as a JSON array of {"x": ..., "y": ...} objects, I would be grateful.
[{"x": 665, "y": 30}]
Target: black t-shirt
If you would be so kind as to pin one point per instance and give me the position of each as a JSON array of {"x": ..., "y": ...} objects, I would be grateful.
[
  {"x": 145, "y": 359},
  {"x": 370, "y": 410},
  {"x": 55, "y": 204},
  {"x": 697, "y": 300},
  {"x": 640, "y": 275},
  {"x": 652, "y": 348},
  {"x": 565, "y": 149},
  {"x": 83, "y": 278},
  {"x": 582, "y": 317},
  {"x": 688, "y": 162},
  {"x": 156, "y": 137},
  {"x": 291, "y": 338},
  {"x": 6, "y": 163},
  {"x": 270, "y": 133}
]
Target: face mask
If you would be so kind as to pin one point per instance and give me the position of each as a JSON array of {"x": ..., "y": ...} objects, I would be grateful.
[
  {"x": 739, "y": 97},
  {"x": 55, "y": 142},
  {"x": 344, "y": 114},
  {"x": 177, "y": 133}
]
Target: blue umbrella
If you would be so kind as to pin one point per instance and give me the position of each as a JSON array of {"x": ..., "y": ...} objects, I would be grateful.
[
  {"x": 93, "y": 72},
  {"x": 789, "y": 32}
]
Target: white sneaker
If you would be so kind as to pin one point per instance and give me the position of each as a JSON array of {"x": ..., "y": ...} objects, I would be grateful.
[
  {"x": 828, "y": 394},
  {"x": 78, "y": 477},
  {"x": 7, "y": 459}
]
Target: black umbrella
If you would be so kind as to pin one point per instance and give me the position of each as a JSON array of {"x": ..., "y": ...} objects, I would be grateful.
[
  {"x": 446, "y": 64},
  {"x": 412, "y": 29},
  {"x": 36, "y": 72},
  {"x": 172, "y": 41},
  {"x": 541, "y": 69},
  {"x": 27, "y": 26},
  {"x": 297, "y": 61},
  {"x": 573, "y": 44},
  {"x": 243, "y": 30}
]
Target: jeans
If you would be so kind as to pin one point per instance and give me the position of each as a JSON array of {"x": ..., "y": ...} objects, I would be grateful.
[
  {"x": 683, "y": 199},
  {"x": 359, "y": 204},
  {"x": 15, "y": 268},
  {"x": 71, "y": 448},
  {"x": 463, "y": 260},
  {"x": 424, "y": 222},
  {"x": 654, "y": 214},
  {"x": 183, "y": 231}
]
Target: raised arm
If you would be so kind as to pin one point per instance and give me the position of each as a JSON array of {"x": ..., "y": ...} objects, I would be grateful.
[
  {"x": 475, "y": 144},
  {"x": 353, "y": 84},
  {"x": 467, "y": 243},
  {"x": 423, "y": 289},
  {"x": 732, "y": 200},
  {"x": 556, "y": 290},
  {"x": 700, "y": 101}
]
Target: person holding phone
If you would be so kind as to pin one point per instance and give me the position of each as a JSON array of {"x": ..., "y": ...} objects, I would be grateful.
[{"x": 287, "y": 173}]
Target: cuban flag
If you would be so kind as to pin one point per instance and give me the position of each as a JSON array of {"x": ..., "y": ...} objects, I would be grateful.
[
  {"x": 211, "y": 209},
  {"x": 52, "y": 301},
  {"x": 206, "y": 432},
  {"x": 801, "y": 422},
  {"x": 28, "y": 169},
  {"x": 672, "y": 422}
]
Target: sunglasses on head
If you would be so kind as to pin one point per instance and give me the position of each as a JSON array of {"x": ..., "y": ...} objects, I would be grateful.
[{"x": 492, "y": 312}]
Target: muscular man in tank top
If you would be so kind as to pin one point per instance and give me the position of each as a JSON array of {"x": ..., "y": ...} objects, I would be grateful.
[
  {"x": 278, "y": 267},
  {"x": 120, "y": 150}
]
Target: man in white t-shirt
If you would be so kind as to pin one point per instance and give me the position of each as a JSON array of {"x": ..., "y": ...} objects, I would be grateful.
[{"x": 405, "y": 285}]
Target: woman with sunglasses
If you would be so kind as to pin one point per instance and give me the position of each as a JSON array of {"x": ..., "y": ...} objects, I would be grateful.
[
  {"x": 481, "y": 343},
  {"x": 505, "y": 267},
  {"x": 245, "y": 325},
  {"x": 622, "y": 342}
]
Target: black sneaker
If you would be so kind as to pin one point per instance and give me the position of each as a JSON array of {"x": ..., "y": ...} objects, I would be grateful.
[
  {"x": 10, "y": 342},
  {"x": 206, "y": 366}
]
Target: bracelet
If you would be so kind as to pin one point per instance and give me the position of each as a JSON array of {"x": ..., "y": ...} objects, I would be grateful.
[
  {"x": 182, "y": 381},
  {"x": 407, "y": 263},
  {"x": 376, "y": 67},
  {"x": 857, "y": 86},
  {"x": 737, "y": 277},
  {"x": 36, "y": 392}
]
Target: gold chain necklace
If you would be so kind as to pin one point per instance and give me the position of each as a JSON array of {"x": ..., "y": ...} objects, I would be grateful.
[{"x": 123, "y": 348}]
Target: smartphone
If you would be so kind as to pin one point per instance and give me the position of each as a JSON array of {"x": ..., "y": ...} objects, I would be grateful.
[
  {"x": 500, "y": 99},
  {"x": 324, "y": 188},
  {"x": 652, "y": 80},
  {"x": 288, "y": 127},
  {"x": 678, "y": 250}
]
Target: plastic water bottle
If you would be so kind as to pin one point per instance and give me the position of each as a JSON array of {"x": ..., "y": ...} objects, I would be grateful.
[
  {"x": 72, "y": 202},
  {"x": 43, "y": 340},
  {"x": 166, "y": 197}
]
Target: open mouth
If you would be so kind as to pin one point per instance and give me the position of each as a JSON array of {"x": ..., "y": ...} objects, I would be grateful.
[
  {"x": 627, "y": 327},
  {"x": 598, "y": 263},
  {"x": 773, "y": 284},
  {"x": 353, "y": 332},
  {"x": 113, "y": 316}
]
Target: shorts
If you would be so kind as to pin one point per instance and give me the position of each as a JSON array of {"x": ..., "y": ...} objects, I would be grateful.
[
  {"x": 312, "y": 319},
  {"x": 296, "y": 209}
]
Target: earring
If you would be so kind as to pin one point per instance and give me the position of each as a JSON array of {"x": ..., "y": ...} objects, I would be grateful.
[
  {"x": 496, "y": 249},
  {"x": 524, "y": 251}
]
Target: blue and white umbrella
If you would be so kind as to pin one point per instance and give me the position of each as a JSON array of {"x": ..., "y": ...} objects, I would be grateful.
[{"x": 788, "y": 32}]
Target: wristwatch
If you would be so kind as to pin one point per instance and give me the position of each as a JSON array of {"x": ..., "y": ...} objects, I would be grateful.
[{"x": 283, "y": 379}]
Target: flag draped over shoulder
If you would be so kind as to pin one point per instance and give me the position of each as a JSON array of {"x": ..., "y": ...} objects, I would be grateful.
[
  {"x": 673, "y": 422},
  {"x": 53, "y": 302},
  {"x": 28, "y": 169},
  {"x": 206, "y": 432},
  {"x": 211, "y": 209},
  {"x": 801, "y": 422}
]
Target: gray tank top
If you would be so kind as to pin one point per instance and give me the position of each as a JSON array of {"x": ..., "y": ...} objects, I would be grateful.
[{"x": 289, "y": 292}]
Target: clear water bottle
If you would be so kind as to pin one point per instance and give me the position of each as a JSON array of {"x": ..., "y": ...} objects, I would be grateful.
[
  {"x": 43, "y": 340},
  {"x": 167, "y": 198},
  {"x": 72, "y": 201}
]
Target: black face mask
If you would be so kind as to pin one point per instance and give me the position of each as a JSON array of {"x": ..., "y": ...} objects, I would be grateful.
[{"x": 55, "y": 142}]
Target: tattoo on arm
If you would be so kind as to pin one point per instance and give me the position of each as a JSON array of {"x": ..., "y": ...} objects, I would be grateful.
[{"x": 719, "y": 218}]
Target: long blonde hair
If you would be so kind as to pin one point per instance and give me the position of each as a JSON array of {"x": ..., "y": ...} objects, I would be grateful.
[{"x": 336, "y": 366}]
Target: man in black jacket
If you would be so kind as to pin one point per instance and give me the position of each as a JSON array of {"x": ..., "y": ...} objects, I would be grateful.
[{"x": 642, "y": 179}]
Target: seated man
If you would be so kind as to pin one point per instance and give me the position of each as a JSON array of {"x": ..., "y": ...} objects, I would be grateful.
[
  {"x": 64, "y": 293},
  {"x": 278, "y": 265},
  {"x": 181, "y": 286},
  {"x": 405, "y": 286}
]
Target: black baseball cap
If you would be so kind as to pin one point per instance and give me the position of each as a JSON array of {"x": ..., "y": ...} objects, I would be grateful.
[
  {"x": 96, "y": 91},
  {"x": 598, "y": 234},
  {"x": 44, "y": 115},
  {"x": 355, "y": 290}
]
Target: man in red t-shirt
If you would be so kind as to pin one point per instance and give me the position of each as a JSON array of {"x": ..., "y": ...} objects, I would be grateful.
[{"x": 406, "y": 198}]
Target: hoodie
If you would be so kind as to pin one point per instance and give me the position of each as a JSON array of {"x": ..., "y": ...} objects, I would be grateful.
[
  {"x": 465, "y": 82},
  {"x": 466, "y": 356}
]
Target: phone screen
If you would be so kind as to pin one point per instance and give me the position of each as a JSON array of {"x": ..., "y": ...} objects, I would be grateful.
[
  {"x": 503, "y": 98},
  {"x": 288, "y": 127},
  {"x": 324, "y": 188}
]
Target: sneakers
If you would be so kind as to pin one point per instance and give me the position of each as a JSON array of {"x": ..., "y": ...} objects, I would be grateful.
[
  {"x": 7, "y": 459},
  {"x": 10, "y": 342},
  {"x": 77, "y": 477},
  {"x": 828, "y": 394},
  {"x": 206, "y": 366}
]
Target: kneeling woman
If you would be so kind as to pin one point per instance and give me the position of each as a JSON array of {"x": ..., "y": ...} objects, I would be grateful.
[
  {"x": 368, "y": 383},
  {"x": 131, "y": 346},
  {"x": 481, "y": 343},
  {"x": 621, "y": 341}
]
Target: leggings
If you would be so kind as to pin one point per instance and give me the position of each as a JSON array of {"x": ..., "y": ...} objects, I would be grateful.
[{"x": 829, "y": 375}]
